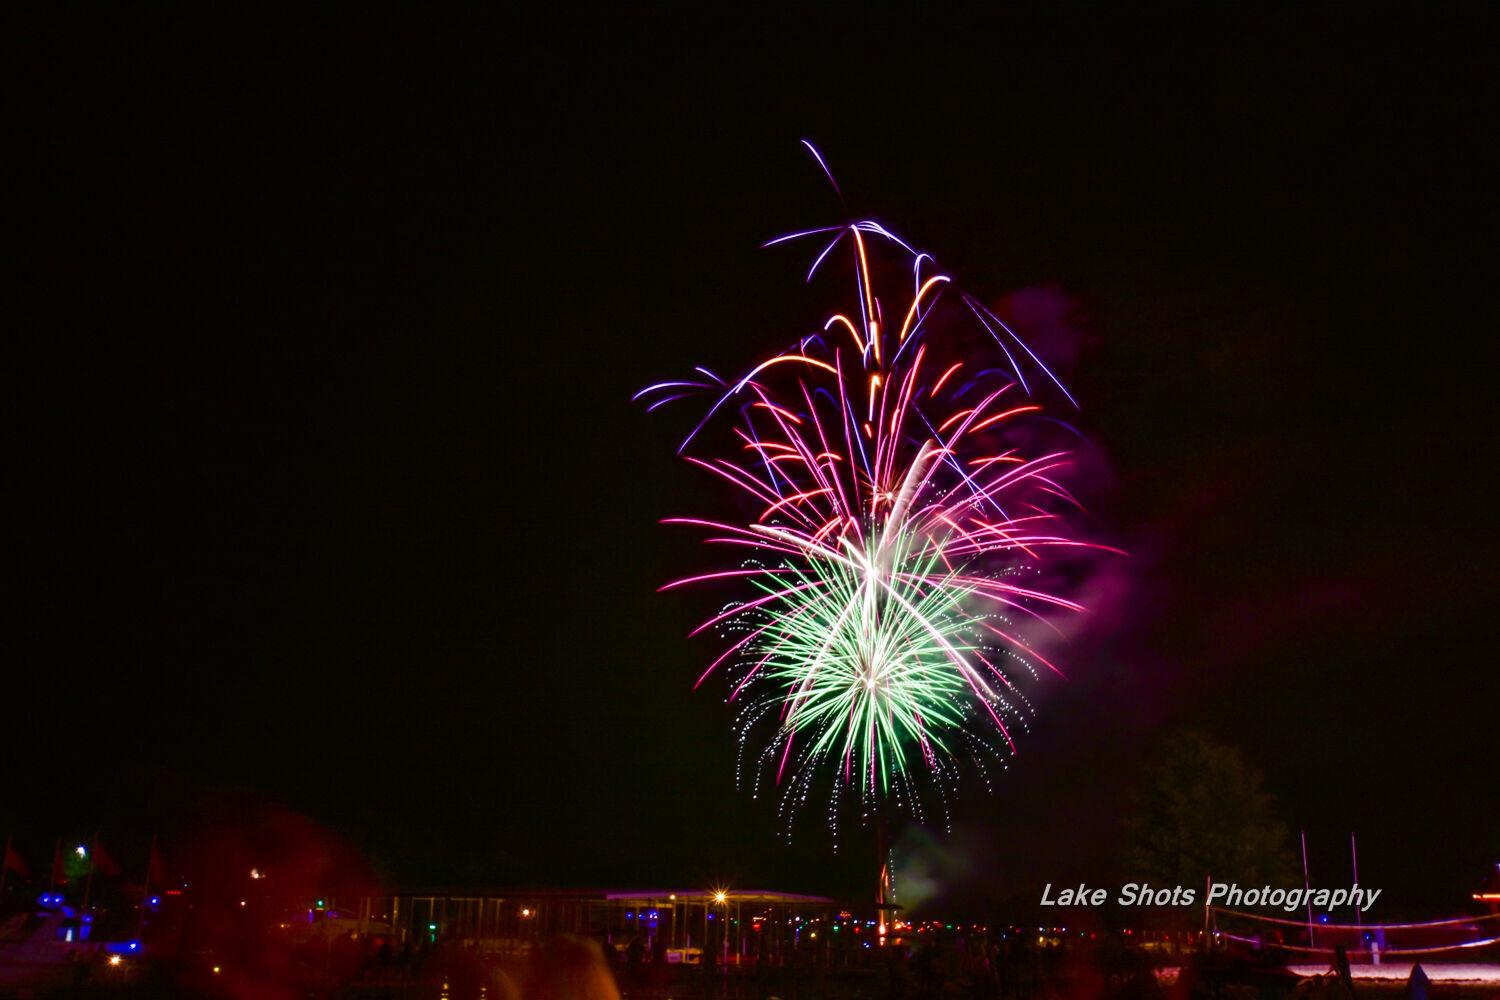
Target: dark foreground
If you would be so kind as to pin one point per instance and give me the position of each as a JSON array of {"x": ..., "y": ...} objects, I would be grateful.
[{"x": 577, "y": 970}]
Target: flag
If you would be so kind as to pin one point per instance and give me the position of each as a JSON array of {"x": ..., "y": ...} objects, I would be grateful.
[
  {"x": 59, "y": 873},
  {"x": 13, "y": 862},
  {"x": 103, "y": 863}
]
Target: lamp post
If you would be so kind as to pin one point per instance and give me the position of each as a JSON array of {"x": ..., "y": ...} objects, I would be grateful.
[{"x": 721, "y": 897}]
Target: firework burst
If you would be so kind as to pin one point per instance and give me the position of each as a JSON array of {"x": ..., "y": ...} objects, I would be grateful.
[{"x": 891, "y": 555}]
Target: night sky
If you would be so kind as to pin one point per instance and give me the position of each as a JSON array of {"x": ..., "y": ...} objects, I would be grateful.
[{"x": 329, "y": 493}]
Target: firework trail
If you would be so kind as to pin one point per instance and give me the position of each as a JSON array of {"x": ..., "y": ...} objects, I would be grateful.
[{"x": 896, "y": 523}]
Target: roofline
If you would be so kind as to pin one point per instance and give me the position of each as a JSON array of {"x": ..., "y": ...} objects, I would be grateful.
[{"x": 598, "y": 894}]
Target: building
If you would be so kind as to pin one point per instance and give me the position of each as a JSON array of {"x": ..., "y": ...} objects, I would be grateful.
[{"x": 686, "y": 925}]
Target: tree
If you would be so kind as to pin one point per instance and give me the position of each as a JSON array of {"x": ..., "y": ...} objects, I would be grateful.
[{"x": 1200, "y": 812}]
